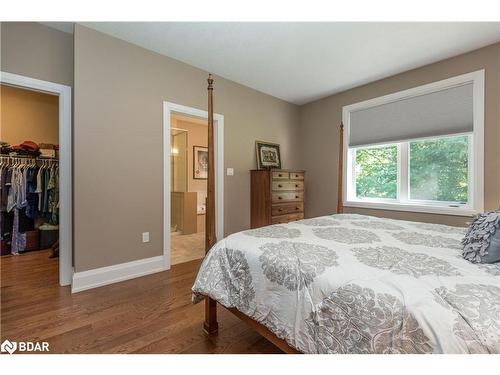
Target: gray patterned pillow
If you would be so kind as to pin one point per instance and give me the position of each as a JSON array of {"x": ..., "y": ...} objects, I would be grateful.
[{"x": 482, "y": 240}]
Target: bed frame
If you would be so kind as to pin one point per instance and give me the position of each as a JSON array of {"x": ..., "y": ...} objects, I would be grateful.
[{"x": 211, "y": 326}]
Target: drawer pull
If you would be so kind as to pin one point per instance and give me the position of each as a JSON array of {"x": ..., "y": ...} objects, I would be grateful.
[
  {"x": 296, "y": 175},
  {"x": 280, "y": 209},
  {"x": 297, "y": 208},
  {"x": 296, "y": 185},
  {"x": 296, "y": 196},
  {"x": 280, "y": 186},
  {"x": 280, "y": 197},
  {"x": 280, "y": 175}
]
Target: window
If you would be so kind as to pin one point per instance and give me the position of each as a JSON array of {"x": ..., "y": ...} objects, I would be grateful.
[
  {"x": 418, "y": 150},
  {"x": 436, "y": 171},
  {"x": 439, "y": 169},
  {"x": 377, "y": 172}
]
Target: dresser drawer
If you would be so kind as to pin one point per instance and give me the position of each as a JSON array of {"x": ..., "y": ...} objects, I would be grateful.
[
  {"x": 277, "y": 196},
  {"x": 280, "y": 175},
  {"x": 282, "y": 209},
  {"x": 286, "y": 218},
  {"x": 287, "y": 197},
  {"x": 296, "y": 175},
  {"x": 287, "y": 185}
]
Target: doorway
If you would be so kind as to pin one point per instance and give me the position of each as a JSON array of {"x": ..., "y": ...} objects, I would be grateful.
[
  {"x": 188, "y": 187},
  {"x": 185, "y": 184},
  {"x": 42, "y": 218}
]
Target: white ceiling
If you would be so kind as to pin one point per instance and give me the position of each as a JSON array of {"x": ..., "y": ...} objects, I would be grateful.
[{"x": 302, "y": 62}]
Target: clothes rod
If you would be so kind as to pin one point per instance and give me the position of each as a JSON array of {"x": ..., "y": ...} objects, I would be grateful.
[
  {"x": 26, "y": 157},
  {"x": 29, "y": 157}
]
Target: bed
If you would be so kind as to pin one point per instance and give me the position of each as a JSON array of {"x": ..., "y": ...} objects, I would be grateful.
[
  {"x": 350, "y": 283},
  {"x": 358, "y": 284}
]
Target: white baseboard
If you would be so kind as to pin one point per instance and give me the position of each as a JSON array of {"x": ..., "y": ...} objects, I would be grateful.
[{"x": 116, "y": 273}]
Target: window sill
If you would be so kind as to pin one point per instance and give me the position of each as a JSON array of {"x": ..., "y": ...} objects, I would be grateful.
[{"x": 441, "y": 210}]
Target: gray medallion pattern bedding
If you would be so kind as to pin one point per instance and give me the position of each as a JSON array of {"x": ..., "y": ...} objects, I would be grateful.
[
  {"x": 481, "y": 330},
  {"x": 329, "y": 285},
  {"x": 273, "y": 231},
  {"x": 346, "y": 235},
  {"x": 377, "y": 224},
  {"x": 493, "y": 269},
  {"x": 403, "y": 262},
  {"x": 440, "y": 228},
  {"x": 319, "y": 222},
  {"x": 419, "y": 238},
  {"x": 295, "y": 264},
  {"x": 357, "y": 320}
]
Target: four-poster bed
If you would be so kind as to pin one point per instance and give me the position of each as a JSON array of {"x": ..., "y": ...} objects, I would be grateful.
[
  {"x": 210, "y": 325},
  {"x": 348, "y": 283}
]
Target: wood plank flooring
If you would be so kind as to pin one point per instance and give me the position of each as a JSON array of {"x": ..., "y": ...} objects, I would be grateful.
[
  {"x": 187, "y": 247},
  {"x": 151, "y": 314}
]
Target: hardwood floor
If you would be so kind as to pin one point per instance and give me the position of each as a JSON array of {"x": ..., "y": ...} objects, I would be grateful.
[
  {"x": 151, "y": 314},
  {"x": 188, "y": 247}
]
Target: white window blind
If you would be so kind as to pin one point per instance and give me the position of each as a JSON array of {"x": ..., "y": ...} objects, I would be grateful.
[{"x": 444, "y": 112}]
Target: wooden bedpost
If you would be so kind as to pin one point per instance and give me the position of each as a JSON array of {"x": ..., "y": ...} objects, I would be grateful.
[
  {"x": 210, "y": 326},
  {"x": 340, "y": 202}
]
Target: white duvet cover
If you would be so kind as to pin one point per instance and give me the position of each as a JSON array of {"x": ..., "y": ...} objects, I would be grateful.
[{"x": 358, "y": 284}]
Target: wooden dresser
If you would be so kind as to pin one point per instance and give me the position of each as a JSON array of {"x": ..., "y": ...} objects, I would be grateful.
[{"x": 277, "y": 196}]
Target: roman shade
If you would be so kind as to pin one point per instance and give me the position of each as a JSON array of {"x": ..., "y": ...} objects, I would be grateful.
[{"x": 443, "y": 112}]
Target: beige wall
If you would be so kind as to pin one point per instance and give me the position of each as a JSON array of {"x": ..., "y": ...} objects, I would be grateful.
[
  {"x": 28, "y": 116},
  {"x": 37, "y": 51},
  {"x": 320, "y": 139},
  {"x": 117, "y": 197}
]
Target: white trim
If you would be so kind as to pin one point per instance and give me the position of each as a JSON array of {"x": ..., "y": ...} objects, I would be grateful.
[
  {"x": 478, "y": 146},
  {"x": 403, "y": 181},
  {"x": 168, "y": 108},
  {"x": 65, "y": 165},
  {"x": 413, "y": 208},
  {"x": 476, "y": 175},
  {"x": 118, "y": 272}
]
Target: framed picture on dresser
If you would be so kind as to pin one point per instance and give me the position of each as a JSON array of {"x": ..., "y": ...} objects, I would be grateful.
[{"x": 268, "y": 155}]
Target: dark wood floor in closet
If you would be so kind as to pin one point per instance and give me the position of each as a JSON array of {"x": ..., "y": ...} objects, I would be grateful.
[{"x": 151, "y": 314}]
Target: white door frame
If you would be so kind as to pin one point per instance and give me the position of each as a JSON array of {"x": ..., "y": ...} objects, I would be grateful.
[
  {"x": 168, "y": 108},
  {"x": 65, "y": 167}
]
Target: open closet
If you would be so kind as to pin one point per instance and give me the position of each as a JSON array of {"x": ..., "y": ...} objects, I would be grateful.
[{"x": 29, "y": 180}]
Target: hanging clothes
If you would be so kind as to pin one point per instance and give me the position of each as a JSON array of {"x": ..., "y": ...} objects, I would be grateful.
[
  {"x": 53, "y": 199},
  {"x": 16, "y": 200},
  {"x": 32, "y": 196},
  {"x": 18, "y": 238},
  {"x": 38, "y": 189},
  {"x": 29, "y": 189}
]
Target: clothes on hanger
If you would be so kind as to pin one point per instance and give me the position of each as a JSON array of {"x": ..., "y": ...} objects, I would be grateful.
[{"x": 28, "y": 190}]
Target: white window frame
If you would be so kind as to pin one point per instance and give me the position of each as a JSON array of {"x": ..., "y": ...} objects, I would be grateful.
[
  {"x": 476, "y": 154},
  {"x": 403, "y": 175}
]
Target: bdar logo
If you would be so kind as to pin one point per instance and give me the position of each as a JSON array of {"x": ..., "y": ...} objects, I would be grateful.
[{"x": 8, "y": 346}]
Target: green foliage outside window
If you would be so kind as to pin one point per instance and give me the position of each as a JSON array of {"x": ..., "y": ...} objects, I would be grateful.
[
  {"x": 377, "y": 172},
  {"x": 439, "y": 169}
]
